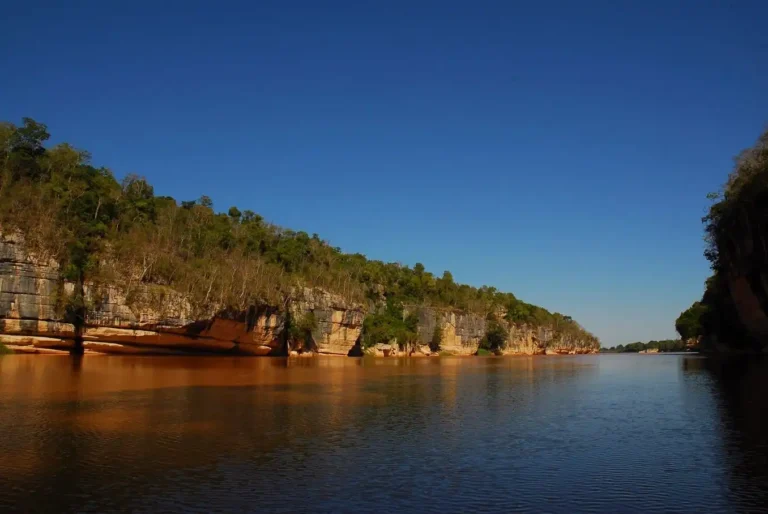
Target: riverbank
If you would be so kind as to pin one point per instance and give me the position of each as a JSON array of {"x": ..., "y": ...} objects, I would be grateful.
[{"x": 33, "y": 347}]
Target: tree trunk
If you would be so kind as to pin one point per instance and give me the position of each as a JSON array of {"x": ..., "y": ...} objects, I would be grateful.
[{"x": 78, "y": 320}]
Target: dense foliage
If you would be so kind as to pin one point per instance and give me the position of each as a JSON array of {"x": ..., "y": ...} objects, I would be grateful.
[
  {"x": 688, "y": 324},
  {"x": 668, "y": 345},
  {"x": 495, "y": 336},
  {"x": 435, "y": 343},
  {"x": 736, "y": 229},
  {"x": 301, "y": 331},
  {"x": 107, "y": 232},
  {"x": 389, "y": 324}
]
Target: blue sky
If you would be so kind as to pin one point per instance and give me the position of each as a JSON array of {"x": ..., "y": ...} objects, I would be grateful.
[{"x": 558, "y": 150}]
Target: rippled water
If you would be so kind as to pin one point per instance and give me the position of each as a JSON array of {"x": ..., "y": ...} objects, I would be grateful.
[{"x": 559, "y": 434}]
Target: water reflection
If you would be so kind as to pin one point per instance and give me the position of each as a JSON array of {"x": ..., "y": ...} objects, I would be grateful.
[
  {"x": 603, "y": 434},
  {"x": 740, "y": 386}
]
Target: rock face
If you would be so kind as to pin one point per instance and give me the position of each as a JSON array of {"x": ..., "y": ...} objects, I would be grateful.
[
  {"x": 736, "y": 297},
  {"x": 462, "y": 333},
  {"x": 339, "y": 323},
  {"x": 530, "y": 340},
  {"x": 158, "y": 320},
  {"x": 749, "y": 291},
  {"x": 29, "y": 317}
]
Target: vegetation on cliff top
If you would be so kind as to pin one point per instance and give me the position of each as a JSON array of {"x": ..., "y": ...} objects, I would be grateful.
[
  {"x": 103, "y": 231},
  {"x": 737, "y": 245}
]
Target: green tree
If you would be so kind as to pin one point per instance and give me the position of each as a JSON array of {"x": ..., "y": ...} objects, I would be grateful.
[
  {"x": 437, "y": 338},
  {"x": 23, "y": 148},
  {"x": 300, "y": 331},
  {"x": 136, "y": 204},
  {"x": 495, "y": 338},
  {"x": 234, "y": 213},
  {"x": 89, "y": 208},
  {"x": 689, "y": 323}
]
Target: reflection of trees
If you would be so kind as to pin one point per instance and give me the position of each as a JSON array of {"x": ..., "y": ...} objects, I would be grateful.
[
  {"x": 741, "y": 388},
  {"x": 122, "y": 433}
]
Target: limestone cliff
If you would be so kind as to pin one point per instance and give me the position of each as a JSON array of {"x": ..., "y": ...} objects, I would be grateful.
[
  {"x": 158, "y": 320},
  {"x": 462, "y": 333}
]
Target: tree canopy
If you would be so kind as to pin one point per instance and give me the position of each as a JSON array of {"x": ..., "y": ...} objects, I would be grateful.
[{"x": 667, "y": 345}]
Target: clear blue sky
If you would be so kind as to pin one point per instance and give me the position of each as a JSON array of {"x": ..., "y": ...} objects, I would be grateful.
[{"x": 558, "y": 150}]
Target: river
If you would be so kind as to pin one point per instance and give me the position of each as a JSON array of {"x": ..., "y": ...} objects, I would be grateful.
[{"x": 608, "y": 433}]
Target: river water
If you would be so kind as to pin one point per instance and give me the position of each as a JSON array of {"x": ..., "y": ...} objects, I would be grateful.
[{"x": 609, "y": 433}]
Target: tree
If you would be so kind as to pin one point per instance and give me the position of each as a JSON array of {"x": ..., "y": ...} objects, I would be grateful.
[
  {"x": 299, "y": 331},
  {"x": 495, "y": 338},
  {"x": 29, "y": 137},
  {"x": 234, "y": 213},
  {"x": 689, "y": 323},
  {"x": 409, "y": 332},
  {"x": 437, "y": 338},
  {"x": 23, "y": 147},
  {"x": 90, "y": 207},
  {"x": 137, "y": 201},
  {"x": 390, "y": 324}
]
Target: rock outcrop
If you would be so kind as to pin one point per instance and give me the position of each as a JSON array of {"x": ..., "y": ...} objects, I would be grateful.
[
  {"x": 158, "y": 320},
  {"x": 462, "y": 333},
  {"x": 158, "y": 323}
]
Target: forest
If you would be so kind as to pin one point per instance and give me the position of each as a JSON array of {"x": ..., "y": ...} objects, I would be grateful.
[
  {"x": 733, "y": 311},
  {"x": 108, "y": 232},
  {"x": 667, "y": 345}
]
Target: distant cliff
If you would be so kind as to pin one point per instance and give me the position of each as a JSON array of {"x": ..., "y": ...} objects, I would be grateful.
[
  {"x": 733, "y": 312},
  {"x": 90, "y": 264}
]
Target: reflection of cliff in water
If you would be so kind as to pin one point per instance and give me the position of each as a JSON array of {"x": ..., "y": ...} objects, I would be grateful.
[
  {"x": 132, "y": 439},
  {"x": 740, "y": 387}
]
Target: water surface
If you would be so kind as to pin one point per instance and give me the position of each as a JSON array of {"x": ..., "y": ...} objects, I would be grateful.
[{"x": 611, "y": 433}]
